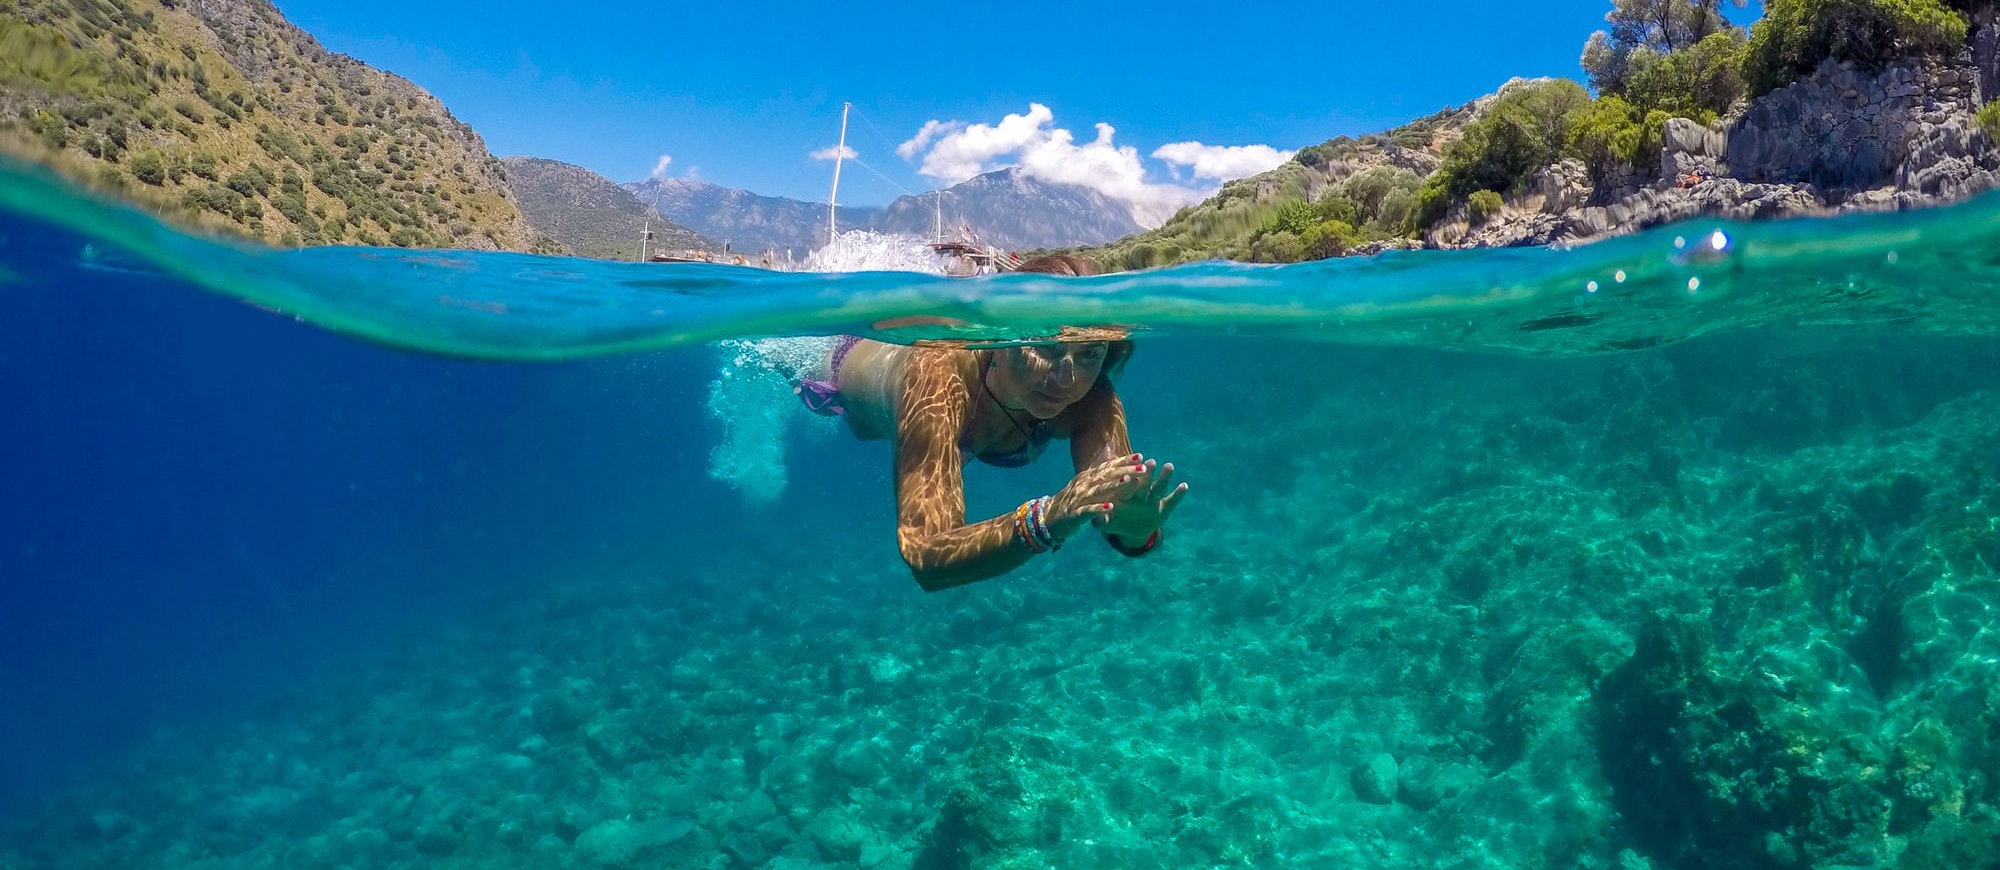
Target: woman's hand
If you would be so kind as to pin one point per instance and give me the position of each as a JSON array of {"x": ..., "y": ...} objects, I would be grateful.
[
  {"x": 1095, "y": 493},
  {"x": 1145, "y": 510}
]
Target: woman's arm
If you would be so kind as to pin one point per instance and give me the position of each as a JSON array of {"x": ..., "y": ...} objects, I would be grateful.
[
  {"x": 940, "y": 548},
  {"x": 1098, "y": 431},
  {"x": 1099, "y": 435}
]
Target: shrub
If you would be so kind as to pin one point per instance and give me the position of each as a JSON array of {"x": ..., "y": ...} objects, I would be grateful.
[
  {"x": 1331, "y": 238},
  {"x": 1613, "y": 135},
  {"x": 1370, "y": 187},
  {"x": 1336, "y": 207},
  {"x": 1482, "y": 205},
  {"x": 246, "y": 183},
  {"x": 1988, "y": 119},
  {"x": 215, "y": 198},
  {"x": 1294, "y": 217},
  {"x": 1397, "y": 215},
  {"x": 150, "y": 168},
  {"x": 1526, "y": 127},
  {"x": 1278, "y": 247},
  {"x": 1698, "y": 82},
  {"x": 1795, "y": 36},
  {"x": 293, "y": 207}
]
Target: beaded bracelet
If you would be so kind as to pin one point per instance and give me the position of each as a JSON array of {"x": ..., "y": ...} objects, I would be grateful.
[{"x": 1031, "y": 526}]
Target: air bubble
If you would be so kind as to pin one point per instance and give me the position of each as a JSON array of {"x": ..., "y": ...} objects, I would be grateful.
[
  {"x": 1694, "y": 284},
  {"x": 1619, "y": 276},
  {"x": 1718, "y": 241},
  {"x": 1590, "y": 287}
]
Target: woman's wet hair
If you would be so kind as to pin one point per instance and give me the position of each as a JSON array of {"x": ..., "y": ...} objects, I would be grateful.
[
  {"x": 1061, "y": 264},
  {"x": 1116, "y": 351}
]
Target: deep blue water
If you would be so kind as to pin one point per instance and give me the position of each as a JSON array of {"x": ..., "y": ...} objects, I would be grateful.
[
  {"x": 203, "y": 501},
  {"x": 357, "y": 557}
]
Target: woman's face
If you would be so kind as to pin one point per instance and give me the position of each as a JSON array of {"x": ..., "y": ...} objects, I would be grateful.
[{"x": 1044, "y": 379}]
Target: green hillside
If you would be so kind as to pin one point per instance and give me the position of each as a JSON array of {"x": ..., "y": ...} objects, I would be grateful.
[
  {"x": 590, "y": 215},
  {"x": 219, "y": 113},
  {"x": 1378, "y": 173}
]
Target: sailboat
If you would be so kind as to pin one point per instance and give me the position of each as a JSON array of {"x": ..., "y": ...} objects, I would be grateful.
[
  {"x": 963, "y": 251},
  {"x": 965, "y": 255}
]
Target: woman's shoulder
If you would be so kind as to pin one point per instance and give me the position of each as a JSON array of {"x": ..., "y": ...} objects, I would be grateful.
[{"x": 952, "y": 363}]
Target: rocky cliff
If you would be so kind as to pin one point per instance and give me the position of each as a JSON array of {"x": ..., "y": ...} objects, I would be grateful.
[{"x": 1843, "y": 139}]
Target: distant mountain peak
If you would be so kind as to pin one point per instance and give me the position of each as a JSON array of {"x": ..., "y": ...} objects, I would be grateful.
[
  {"x": 1008, "y": 208},
  {"x": 589, "y": 214}
]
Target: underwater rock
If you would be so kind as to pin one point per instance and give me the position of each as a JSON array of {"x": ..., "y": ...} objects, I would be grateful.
[
  {"x": 840, "y": 837},
  {"x": 1013, "y": 794},
  {"x": 1374, "y": 780},
  {"x": 625, "y": 844},
  {"x": 559, "y": 713},
  {"x": 1418, "y": 783},
  {"x": 1709, "y": 771},
  {"x": 436, "y": 840}
]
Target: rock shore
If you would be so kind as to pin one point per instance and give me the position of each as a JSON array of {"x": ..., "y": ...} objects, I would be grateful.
[{"x": 1841, "y": 140}]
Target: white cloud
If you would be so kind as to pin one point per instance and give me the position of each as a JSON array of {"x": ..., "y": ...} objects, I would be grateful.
[
  {"x": 660, "y": 168},
  {"x": 931, "y": 130},
  {"x": 845, "y": 152},
  {"x": 1222, "y": 162},
  {"x": 953, "y": 151},
  {"x": 965, "y": 151}
]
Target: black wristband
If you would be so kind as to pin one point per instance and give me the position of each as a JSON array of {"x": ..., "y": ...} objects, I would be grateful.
[{"x": 1152, "y": 541}]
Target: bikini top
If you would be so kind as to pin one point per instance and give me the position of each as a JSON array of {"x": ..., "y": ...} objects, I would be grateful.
[{"x": 1039, "y": 436}]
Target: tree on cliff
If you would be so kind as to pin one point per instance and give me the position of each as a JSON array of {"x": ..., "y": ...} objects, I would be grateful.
[{"x": 1678, "y": 56}]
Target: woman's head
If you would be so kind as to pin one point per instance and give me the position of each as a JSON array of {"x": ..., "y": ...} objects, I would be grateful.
[{"x": 1046, "y": 377}]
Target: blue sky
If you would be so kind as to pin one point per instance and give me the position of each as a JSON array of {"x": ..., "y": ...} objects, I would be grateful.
[{"x": 743, "y": 95}]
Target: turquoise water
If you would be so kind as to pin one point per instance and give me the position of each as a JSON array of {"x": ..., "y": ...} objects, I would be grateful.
[{"x": 1676, "y": 550}]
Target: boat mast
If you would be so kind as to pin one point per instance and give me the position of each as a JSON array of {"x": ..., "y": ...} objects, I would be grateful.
[{"x": 839, "y": 151}]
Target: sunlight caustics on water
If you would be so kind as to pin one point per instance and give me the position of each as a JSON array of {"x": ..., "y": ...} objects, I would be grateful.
[{"x": 1679, "y": 550}]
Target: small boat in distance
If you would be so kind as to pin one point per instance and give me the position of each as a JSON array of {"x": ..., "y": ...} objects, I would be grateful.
[
  {"x": 964, "y": 256},
  {"x": 963, "y": 253},
  {"x": 698, "y": 255}
]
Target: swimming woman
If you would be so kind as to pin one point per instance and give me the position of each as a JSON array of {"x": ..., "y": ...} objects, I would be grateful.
[{"x": 945, "y": 406}]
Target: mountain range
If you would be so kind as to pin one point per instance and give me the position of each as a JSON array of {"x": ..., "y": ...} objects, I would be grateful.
[
  {"x": 1007, "y": 208},
  {"x": 745, "y": 221},
  {"x": 589, "y": 214}
]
